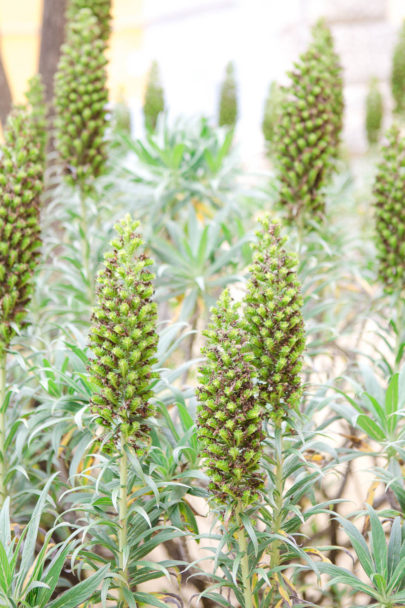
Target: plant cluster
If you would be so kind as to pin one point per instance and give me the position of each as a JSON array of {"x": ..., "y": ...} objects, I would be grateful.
[
  {"x": 183, "y": 397},
  {"x": 154, "y": 102}
]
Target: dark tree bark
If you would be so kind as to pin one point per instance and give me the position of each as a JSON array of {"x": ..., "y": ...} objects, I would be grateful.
[
  {"x": 52, "y": 37},
  {"x": 5, "y": 93}
]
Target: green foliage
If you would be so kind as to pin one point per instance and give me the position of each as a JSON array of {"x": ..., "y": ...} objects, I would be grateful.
[
  {"x": 374, "y": 112},
  {"x": 228, "y": 100},
  {"x": 29, "y": 578},
  {"x": 80, "y": 99},
  {"x": 21, "y": 175},
  {"x": 123, "y": 338},
  {"x": 308, "y": 132},
  {"x": 273, "y": 321},
  {"x": 154, "y": 102},
  {"x": 229, "y": 416},
  {"x": 101, "y": 9},
  {"x": 389, "y": 188},
  {"x": 398, "y": 73},
  {"x": 382, "y": 562},
  {"x": 271, "y": 114}
]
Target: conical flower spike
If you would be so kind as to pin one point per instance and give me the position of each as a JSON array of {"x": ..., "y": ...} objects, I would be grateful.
[
  {"x": 21, "y": 179},
  {"x": 308, "y": 132},
  {"x": 229, "y": 417},
  {"x": 398, "y": 73},
  {"x": 101, "y": 9},
  {"x": 36, "y": 100},
  {"x": 228, "y": 102},
  {"x": 389, "y": 195},
  {"x": 80, "y": 101},
  {"x": 123, "y": 338},
  {"x": 154, "y": 102},
  {"x": 374, "y": 112},
  {"x": 273, "y": 321}
]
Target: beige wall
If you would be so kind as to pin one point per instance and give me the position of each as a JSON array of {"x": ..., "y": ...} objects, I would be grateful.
[{"x": 20, "y": 22}]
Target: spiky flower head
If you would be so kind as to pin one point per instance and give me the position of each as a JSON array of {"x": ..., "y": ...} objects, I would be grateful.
[
  {"x": 374, "y": 112},
  {"x": 101, "y": 9},
  {"x": 323, "y": 39},
  {"x": 123, "y": 339},
  {"x": 154, "y": 102},
  {"x": 308, "y": 132},
  {"x": 36, "y": 100},
  {"x": 271, "y": 113},
  {"x": 21, "y": 182},
  {"x": 398, "y": 73},
  {"x": 80, "y": 101},
  {"x": 273, "y": 320},
  {"x": 229, "y": 416},
  {"x": 228, "y": 101},
  {"x": 389, "y": 194}
]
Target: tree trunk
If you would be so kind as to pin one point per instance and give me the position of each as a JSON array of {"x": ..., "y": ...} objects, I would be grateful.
[
  {"x": 52, "y": 37},
  {"x": 5, "y": 93}
]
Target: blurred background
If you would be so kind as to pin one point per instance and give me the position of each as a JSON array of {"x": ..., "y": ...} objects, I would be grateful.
[{"x": 193, "y": 40}]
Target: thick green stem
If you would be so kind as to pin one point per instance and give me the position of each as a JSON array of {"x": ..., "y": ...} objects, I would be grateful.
[
  {"x": 277, "y": 499},
  {"x": 3, "y": 489},
  {"x": 399, "y": 324},
  {"x": 122, "y": 515},
  {"x": 244, "y": 562},
  {"x": 85, "y": 246}
]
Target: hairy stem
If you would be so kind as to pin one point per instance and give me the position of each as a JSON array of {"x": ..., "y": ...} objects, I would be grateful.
[
  {"x": 85, "y": 246},
  {"x": 244, "y": 562},
  {"x": 278, "y": 500},
  {"x": 122, "y": 515},
  {"x": 3, "y": 489}
]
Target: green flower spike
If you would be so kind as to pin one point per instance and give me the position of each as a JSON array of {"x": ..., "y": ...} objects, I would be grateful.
[
  {"x": 228, "y": 102},
  {"x": 36, "y": 100},
  {"x": 323, "y": 39},
  {"x": 389, "y": 193},
  {"x": 229, "y": 417},
  {"x": 123, "y": 338},
  {"x": 154, "y": 102},
  {"x": 374, "y": 112},
  {"x": 273, "y": 321},
  {"x": 21, "y": 182},
  {"x": 101, "y": 9},
  {"x": 398, "y": 73},
  {"x": 80, "y": 101},
  {"x": 308, "y": 132},
  {"x": 271, "y": 114}
]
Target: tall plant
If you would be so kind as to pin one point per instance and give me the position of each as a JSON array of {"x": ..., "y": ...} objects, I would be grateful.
[
  {"x": 123, "y": 339},
  {"x": 154, "y": 102},
  {"x": 389, "y": 192},
  {"x": 228, "y": 99},
  {"x": 251, "y": 381},
  {"x": 398, "y": 73},
  {"x": 374, "y": 112},
  {"x": 80, "y": 102},
  {"x": 308, "y": 132},
  {"x": 21, "y": 182}
]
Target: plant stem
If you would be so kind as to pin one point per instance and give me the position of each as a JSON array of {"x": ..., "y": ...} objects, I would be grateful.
[
  {"x": 398, "y": 341},
  {"x": 122, "y": 516},
  {"x": 278, "y": 498},
  {"x": 85, "y": 245},
  {"x": 3, "y": 488},
  {"x": 244, "y": 562}
]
